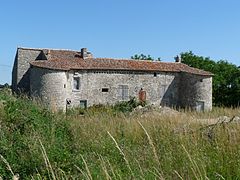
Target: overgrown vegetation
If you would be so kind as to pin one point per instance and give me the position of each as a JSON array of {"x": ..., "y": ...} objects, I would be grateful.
[
  {"x": 107, "y": 144},
  {"x": 127, "y": 106}
]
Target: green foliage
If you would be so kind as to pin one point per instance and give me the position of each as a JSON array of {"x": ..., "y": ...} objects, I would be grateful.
[
  {"x": 23, "y": 124},
  {"x": 120, "y": 107},
  {"x": 144, "y": 57},
  {"x": 226, "y": 79},
  {"x": 126, "y": 106},
  {"x": 100, "y": 144}
]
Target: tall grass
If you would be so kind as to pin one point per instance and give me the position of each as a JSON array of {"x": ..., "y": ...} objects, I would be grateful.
[{"x": 108, "y": 144}]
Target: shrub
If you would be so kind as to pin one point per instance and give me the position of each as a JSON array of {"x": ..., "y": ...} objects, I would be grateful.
[
  {"x": 108, "y": 144},
  {"x": 23, "y": 125},
  {"x": 126, "y": 106}
]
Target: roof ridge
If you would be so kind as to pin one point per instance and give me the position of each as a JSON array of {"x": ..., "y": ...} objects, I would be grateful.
[
  {"x": 27, "y": 48},
  {"x": 139, "y": 60}
]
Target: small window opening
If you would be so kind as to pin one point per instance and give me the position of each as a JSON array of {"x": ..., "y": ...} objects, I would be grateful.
[
  {"x": 64, "y": 85},
  {"x": 76, "y": 83},
  {"x": 155, "y": 74},
  {"x": 68, "y": 101},
  {"x": 83, "y": 104},
  {"x": 104, "y": 89},
  {"x": 201, "y": 80}
]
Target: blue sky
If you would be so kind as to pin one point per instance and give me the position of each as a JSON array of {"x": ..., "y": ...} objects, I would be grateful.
[{"x": 121, "y": 28}]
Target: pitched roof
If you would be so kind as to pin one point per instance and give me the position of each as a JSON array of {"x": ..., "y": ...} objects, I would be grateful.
[{"x": 72, "y": 60}]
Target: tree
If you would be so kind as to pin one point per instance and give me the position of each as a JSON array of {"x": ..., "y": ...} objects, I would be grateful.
[
  {"x": 144, "y": 57},
  {"x": 6, "y": 85},
  {"x": 226, "y": 79}
]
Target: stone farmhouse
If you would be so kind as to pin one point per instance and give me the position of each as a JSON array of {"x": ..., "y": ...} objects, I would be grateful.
[{"x": 67, "y": 78}]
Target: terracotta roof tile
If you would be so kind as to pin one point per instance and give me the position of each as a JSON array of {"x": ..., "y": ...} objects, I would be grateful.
[{"x": 67, "y": 60}]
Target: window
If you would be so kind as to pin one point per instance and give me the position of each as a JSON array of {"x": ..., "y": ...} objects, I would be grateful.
[
  {"x": 123, "y": 92},
  {"x": 76, "y": 83},
  {"x": 155, "y": 74},
  {"x": 68, "y": 101},
  {"x": 104, "y": 89},
  {"x": 83, "y": 104}
]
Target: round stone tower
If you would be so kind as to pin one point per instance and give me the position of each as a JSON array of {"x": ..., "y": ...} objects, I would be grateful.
[
  {"x": 49, "y": 86},
  {"x": 196, "y": 91}
]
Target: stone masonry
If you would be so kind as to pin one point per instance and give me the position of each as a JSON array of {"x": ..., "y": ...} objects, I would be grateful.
[{"x": 53, "y": 80}]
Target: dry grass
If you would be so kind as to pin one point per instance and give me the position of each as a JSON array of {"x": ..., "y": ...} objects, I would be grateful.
[
  {"x": 105, "y": 144},
  {"x": 171, "y": 142}
]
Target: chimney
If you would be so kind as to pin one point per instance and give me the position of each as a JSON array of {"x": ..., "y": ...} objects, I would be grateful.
[
  {"x": 178, "y": 59},
  {"x": 84, "y": 53}
]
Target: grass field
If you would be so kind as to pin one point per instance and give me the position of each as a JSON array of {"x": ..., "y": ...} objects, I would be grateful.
[{"x": 105, "y": 143}]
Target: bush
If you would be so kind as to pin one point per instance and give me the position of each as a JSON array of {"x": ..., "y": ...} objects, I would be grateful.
[
  {"x": 108, "y": 144},
  {"x": 127, "y": 106},
  {"x": 23, "y": 125}
]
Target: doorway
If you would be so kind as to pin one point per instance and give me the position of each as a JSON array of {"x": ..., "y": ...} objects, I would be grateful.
[
  {"x": 200, "y": 106},
  {"x": 83, "y": 104}
]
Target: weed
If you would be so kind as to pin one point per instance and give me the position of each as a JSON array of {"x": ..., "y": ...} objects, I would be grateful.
[{"x": 108, "y": 143}]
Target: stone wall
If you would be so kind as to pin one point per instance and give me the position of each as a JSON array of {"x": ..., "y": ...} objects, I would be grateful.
[
  {"x": 92, "y": 83},
  {"x": 102, "y": 87},
  {"x": 14, "y": 73},
  {"x": 54, "y": 87},
  {"x": 170, "y": 89},
  {"x": 49, "y": 86},
  {"x": 195, "y": 90},
  {"x": 20, "y": 78}
]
